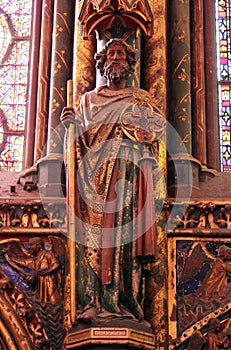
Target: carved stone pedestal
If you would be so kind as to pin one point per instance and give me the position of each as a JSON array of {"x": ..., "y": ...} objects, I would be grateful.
[
  {"x": 51, "y": 176},
  {"x": 108, "y": 335},
  {"x": 207, "y": 174}
]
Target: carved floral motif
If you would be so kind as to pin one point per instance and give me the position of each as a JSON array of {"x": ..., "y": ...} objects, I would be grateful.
[
  {"x": 200, "y": 215},
  {"x": 14, "y": 303},
  {"x": 32, "y": 215}
]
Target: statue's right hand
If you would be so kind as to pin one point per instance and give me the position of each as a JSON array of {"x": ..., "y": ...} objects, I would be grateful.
[{"x": 67, "y": 116}]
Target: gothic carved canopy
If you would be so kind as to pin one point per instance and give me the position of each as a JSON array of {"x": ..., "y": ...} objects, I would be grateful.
[{"x": 99, "y": 16}]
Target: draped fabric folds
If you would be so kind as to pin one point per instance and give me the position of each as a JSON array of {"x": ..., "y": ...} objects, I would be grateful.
[{"x": 116, "y": 230}]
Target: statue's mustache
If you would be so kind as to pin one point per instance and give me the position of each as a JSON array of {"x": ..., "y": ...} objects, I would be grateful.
[{"x": 110, "y": 66}]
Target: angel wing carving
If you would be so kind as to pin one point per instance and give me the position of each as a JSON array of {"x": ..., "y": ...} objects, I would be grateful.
[
  {"x": 13, "y": 248},
  {"x": 58, "y": 248}
]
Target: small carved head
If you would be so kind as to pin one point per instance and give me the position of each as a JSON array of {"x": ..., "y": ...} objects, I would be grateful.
[
  {"x": 35, "y": 244},
  {"x": 214, "y": 325},
  {"x": 224, "y": 252}
]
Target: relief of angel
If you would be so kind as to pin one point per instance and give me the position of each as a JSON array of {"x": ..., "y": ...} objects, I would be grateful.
[
  {"x": 216, "y": 279},
  {"x": 217, "y": 337},
  {"x": 204, "y": 275},
  {"x": 38, "y": 266},
  {"x": 208, "y": 273}
]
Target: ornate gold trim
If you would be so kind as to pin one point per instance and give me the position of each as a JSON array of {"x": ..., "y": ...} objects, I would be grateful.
[
  {"x": 100, "y": 15},
  {"x": 107, "y": 335},
  {"x": 12, "y": 330},
  {"x": 197, "y": 217},
  {"x": 28, "y": 216}
]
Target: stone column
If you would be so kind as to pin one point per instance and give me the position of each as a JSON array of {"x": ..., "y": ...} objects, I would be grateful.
[
  {"x": 183, "y": 169},
  {"x": 155, "y": 58},
  {"x": 180, "y": 78},
  {"x": 84, "y": 65},
  {"x": 44, "y": 80},
  {"x": 51, "y": 169},
  {"x": 83, "y": 61},
  {"x": 198, "y": 82},
  {"x": 32, "y": 90},
  {"x": 211, "y": 98},
  {"x": 155, "y": 81},
  {"x": 201, "y": 87},
  {"x": 61, "y": 71}
]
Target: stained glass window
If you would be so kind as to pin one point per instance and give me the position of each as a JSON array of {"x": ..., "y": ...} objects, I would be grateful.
[
  {"x": 223, "y": 14},
  {"x": 15, "y": 31}
]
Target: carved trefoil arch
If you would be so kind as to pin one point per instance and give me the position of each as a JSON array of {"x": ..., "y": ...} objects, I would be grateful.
[{"x": 101, "y": 16}]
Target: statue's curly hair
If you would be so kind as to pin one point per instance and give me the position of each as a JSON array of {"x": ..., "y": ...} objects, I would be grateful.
[{"x": 101, "y": 56}]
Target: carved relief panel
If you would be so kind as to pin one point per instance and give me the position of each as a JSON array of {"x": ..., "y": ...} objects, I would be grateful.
[{"x": 199, "y": 271}]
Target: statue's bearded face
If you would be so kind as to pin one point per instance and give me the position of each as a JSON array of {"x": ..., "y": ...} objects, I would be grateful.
[{"x": 116, "y": 66}]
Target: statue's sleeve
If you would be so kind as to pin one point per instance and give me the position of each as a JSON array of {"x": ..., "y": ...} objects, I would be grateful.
[{"x": 79, "y": 112}]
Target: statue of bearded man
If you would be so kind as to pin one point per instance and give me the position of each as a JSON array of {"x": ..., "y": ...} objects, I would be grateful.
[{"x": 118, "y": 135}]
